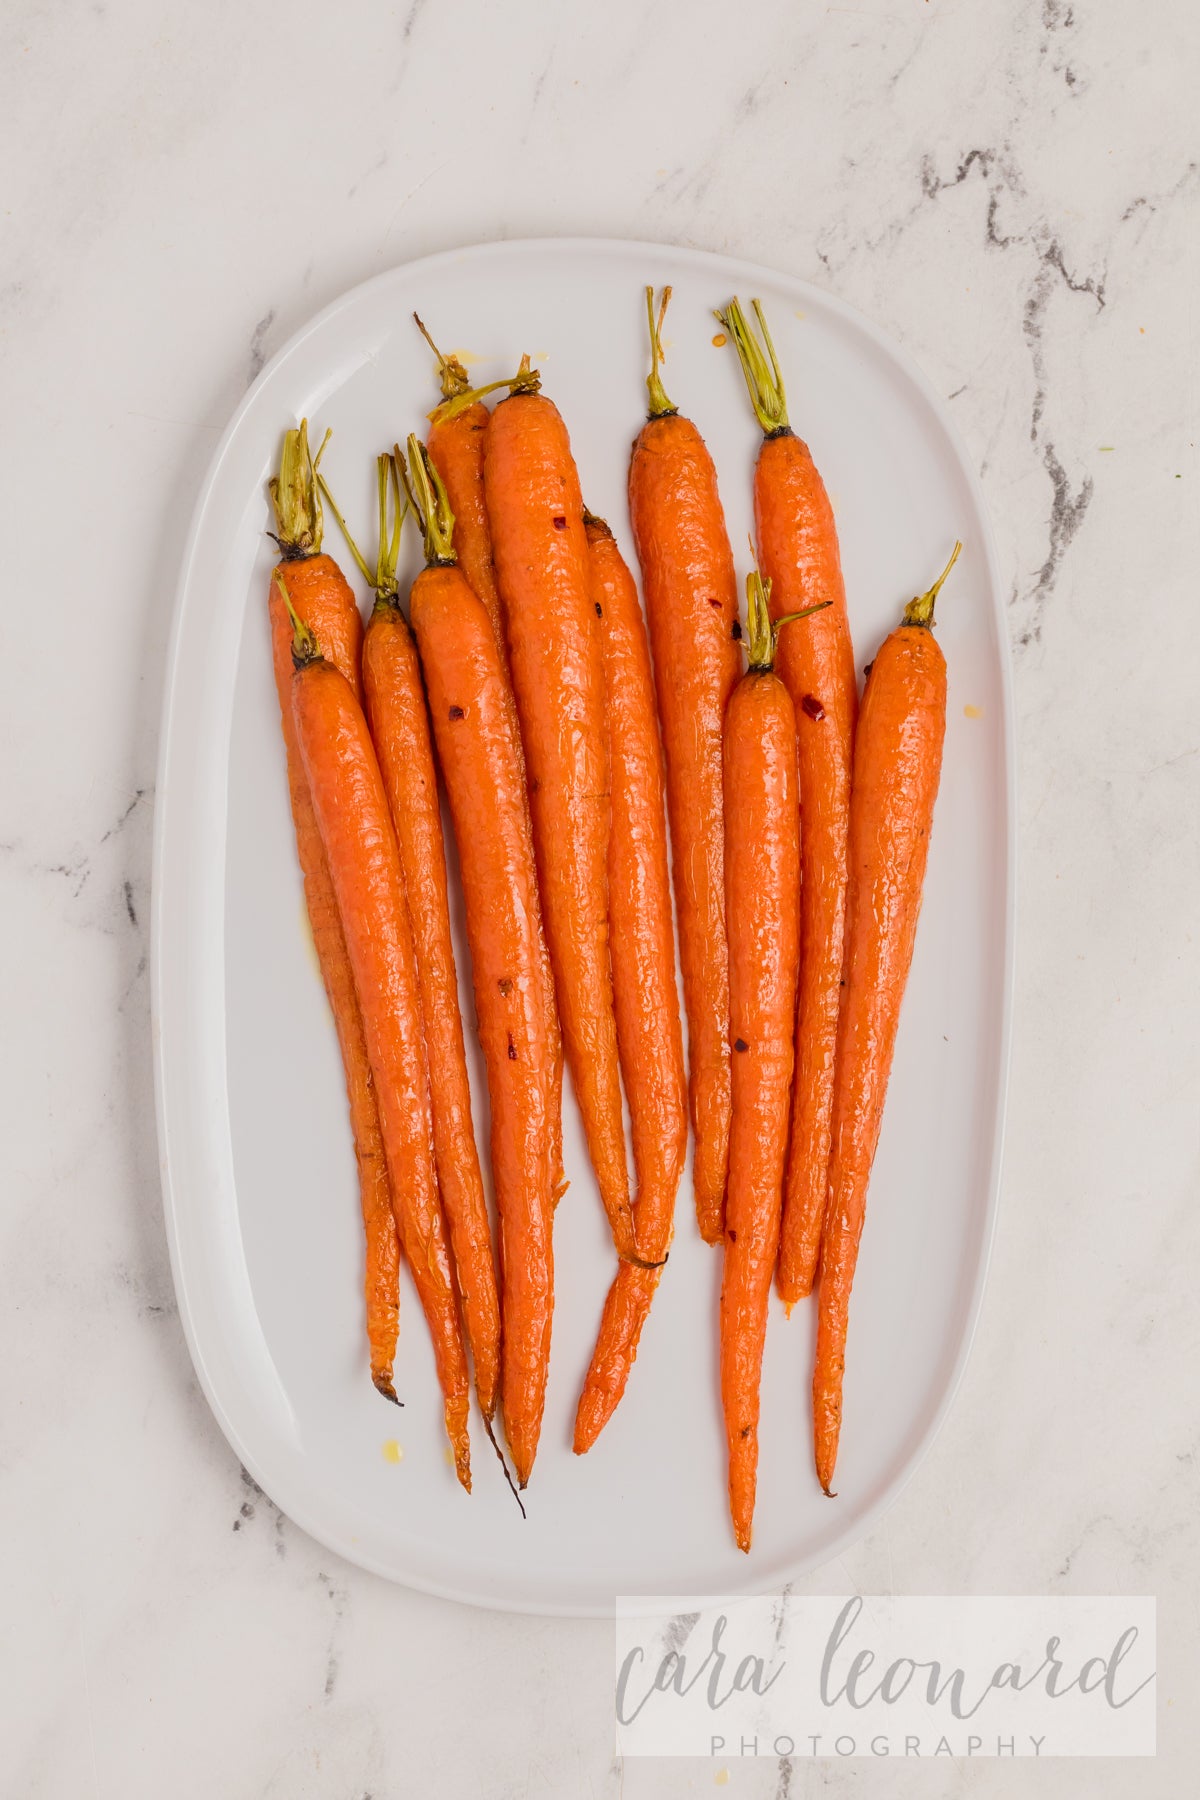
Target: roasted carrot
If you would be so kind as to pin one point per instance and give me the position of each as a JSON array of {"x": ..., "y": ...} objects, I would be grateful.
[
  {"x": 798, "y": 543},
  {"x": 457, "y": 436},
  {"x": 643, "y": 959},
  {"x": 352, "y": 813},
  {"x": 323, "y": 599},
  {"x": 762, "y": 875},
  {"x": 535, "y": 513},
  {"x": 691, "y": 605},
  {"x": 395, "y": 706},
  {"x": 481, "y": 767},
  {"x": 897, "y": 767}
]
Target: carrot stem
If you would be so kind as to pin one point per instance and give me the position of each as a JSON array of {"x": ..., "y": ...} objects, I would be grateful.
[
  {"x": 451, "y": 373},
  {"x": 526, "y": 381},
  {"x": 760, "y": 366},
  {"x": 296, "y": 496},
  {"x": 763, "y": 631},
  {"x": 355, "y": 552},
  {"x": 660, "y": 404},
  {"x": 920, "y": 610},
  {"x": 305, "y": 648},
  {"x": 762, "y": 639},
  {"x": 393, "y": 510},
  {"x": 429, "y": 500}
]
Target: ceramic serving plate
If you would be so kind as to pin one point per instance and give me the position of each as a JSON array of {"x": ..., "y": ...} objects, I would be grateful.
[{"x": 259, "y": 1180}]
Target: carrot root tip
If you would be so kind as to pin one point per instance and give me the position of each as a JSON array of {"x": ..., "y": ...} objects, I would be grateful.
[
  {"x": 384, "y": 1386},
  {"x": 503, "y": 1461}
]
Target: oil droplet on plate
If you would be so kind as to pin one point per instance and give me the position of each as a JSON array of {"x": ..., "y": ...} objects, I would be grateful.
[
  {"x": 467, "y": 358},
  {"x": 972, "y": 712},
  {"x": 392, "y": 1451},
  {"x": 721, "y": 1778}
]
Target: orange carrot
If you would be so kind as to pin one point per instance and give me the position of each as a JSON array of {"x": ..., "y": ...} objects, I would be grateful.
[
  {"x": 691, "y": 605},
  {"x": 324, "y": 601},
  {"x": 535, "y": 513},
  {"x": 643, "y": 958},
  {"x": 352, "y": 812},
  {"x": 797, "y": 540},
  {"x": 762, "y": 875},
  {"x": 481, "y": 767},
  {"x": 395, "y": 705},
  {"x": 457, "y": 436},
  {"x": 897, "y": 766}
]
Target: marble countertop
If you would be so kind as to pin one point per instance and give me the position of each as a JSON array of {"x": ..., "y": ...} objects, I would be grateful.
[{"x": 1011, "y": 188}]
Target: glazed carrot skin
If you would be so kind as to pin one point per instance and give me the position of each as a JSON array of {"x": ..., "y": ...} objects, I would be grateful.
[
  {"x": 798, "y": 544},
  {"x": 325, "y": 602},
  {"x": 798, "y": 548},
  {"x": 456, "y": 447},
  {"x": 360, "y": 847},
  {"x": 535, "y": 512},
  {"x": 691, "y": 605},
  {"x": 897, "y": 768},
  {"x": 481, "y": 768},
  {"x": 395, "y": 703},
  {"x": 457, "y": 437},
  {"x": 643, "y": 957},
  {"x": 762, "y": 874}
]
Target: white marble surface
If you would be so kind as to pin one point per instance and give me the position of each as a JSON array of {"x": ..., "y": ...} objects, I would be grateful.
[{"x": 1011, "y": 187}]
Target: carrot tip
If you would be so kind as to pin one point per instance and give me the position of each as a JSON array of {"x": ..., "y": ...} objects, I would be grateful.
[
  {"x": 829, "y": 1493},
  {"x": 591, "y": 1416},
  {"x": 383, "y": 1385}
]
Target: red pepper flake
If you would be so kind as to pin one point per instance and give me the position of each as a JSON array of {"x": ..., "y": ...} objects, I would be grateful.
[
  {"x": 560, "y": 521},
  {"x": 599, "y": 610},
  {"x": 740, "y": 1044},
  {"x": 713, "y": 601},
  {"x": 811, "y": 706},
  {"x": 512, "y": 1049},
  {"x": 505, "y": 985},
  {"x": 456, "y": 712}
]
